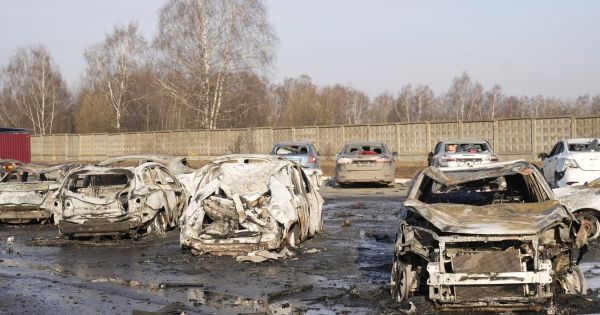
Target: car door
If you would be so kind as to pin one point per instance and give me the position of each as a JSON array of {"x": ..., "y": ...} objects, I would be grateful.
[
  {"x": 550, "y": 162},
  {"x": 315, "y": 205},
  {"x": 172, "y": 192},
  {"x": 300, "y": 202}
]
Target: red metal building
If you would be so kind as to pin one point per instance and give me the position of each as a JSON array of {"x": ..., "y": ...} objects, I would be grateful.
[{"x": 15, "y": 143}]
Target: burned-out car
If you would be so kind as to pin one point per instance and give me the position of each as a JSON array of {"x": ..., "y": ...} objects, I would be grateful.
[
  {"x": 25, "y": 191},
  {"x": 486, "y": 238},
  {"x": 176, "y": 164},
  {"x": 96, "y": 201},
  {"x": 246, "y": 203}
]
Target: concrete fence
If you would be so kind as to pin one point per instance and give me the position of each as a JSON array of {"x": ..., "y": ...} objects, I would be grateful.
[{"x": 511, "y": 139}]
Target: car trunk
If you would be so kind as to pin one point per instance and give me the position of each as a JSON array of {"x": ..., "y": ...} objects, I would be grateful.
[
  {"x": 23, "y": 194},
  {"x": 365, "y": 163},
  {"x": 97, "y": 196},
  {"x": 469, "y": 159},
  {"x": 587, "y": 161}
]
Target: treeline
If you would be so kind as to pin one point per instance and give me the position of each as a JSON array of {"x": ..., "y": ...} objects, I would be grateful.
[{"x": 207, "y": 68}]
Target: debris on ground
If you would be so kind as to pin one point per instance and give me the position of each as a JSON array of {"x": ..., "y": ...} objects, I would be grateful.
[
  {"x": 277, "y": 294},
  {"x": 263, "y": 255},
  {"x": 346, "y": 223},
  {"x": 173, "y": 308}
]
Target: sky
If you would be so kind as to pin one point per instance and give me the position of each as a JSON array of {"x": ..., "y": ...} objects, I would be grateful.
[{"x": 549, "y": 48}]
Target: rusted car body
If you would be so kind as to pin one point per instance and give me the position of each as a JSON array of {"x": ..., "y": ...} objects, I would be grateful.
[
  {"x": 246, "y": 203},
  {"x": 96, "y": 201},
  {"x": 178, "y": 165},
  {"x": 25, "y": 191},
  {"x": 584, "y": 202},
  {"x": 486, "y": 238},
  {"x": 365, "y": 162}
]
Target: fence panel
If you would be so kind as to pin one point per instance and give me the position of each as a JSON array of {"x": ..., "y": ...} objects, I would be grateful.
[
  {"x": 548, "y": 131},
  {"x": 412, "y": 139},
  {"x": 479, "y": 130},
  {"x": 331, "y": 140},
  {"x": 385, "y": 133},
  {"x": 514, "y": 136},
  {"x": 442, "y": 131},
  {"x": 587, "y": 127}
]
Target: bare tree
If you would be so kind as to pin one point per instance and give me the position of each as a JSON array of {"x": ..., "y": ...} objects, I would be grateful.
[
  {"x": 111, "y": 64},
  {"x": 32, "y": 86},
  {"x": 424, "y": 101},
  {"x": 204, "y": 43},
  {"x": 493, "y": 99}
]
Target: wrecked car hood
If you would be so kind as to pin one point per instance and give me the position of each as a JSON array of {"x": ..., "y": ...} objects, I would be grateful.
[{"x": 496, "y": 219}]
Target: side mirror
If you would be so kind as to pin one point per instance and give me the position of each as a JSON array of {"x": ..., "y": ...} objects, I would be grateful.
[
  {"x": 318, "y": 153},
  {"x": 430, "y": 154},
  {"x": 543, "y": 156},
  {"x": 395, "y": 154}
]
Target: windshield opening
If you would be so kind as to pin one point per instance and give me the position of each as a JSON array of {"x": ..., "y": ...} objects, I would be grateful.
[
  {"x": 466, "y": 147},
  {"x": 592, "y": 146},
  {"x": 364, "y": 149},
  {"x": 291, "y": 149}
]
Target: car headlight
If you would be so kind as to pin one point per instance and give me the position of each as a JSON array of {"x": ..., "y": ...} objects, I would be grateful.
[{"x": 571, "y": 163}]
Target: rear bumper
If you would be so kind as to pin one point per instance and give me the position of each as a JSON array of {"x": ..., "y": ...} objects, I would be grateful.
[
  {"x": 95, "y": 228},
  {"x": 385, "y": 175},
  {"x": 23, "y": 214},
  {"x": 232, "y": 246},
  {"x": 576, "y": 177}
]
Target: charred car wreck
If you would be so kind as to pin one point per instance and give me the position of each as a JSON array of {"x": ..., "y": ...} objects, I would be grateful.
[
  {"x": 95, "y": 201},
  {"x": 247, "y": 203},
  {"x": 584, "y": 202},
  {"x": 486, "y": 238},
  {"x": 25, "y": 191}
]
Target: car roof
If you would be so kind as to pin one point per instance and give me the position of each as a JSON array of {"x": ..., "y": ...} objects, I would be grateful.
[
  {"x": 365, "y": 142},
  {"x": 464, "y": 141},
  {"x": 293, "y": 143},
  {"x": 579, "y": 140}
]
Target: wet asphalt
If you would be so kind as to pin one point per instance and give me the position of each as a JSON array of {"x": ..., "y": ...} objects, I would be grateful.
[{"x": 344, "y": 270}]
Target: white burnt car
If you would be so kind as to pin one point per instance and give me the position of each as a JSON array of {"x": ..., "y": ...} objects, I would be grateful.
[
  {"x": 25, "y": 191},
  {"x": 246, "y": 203},
  {"x": 572, "y": 162},
  {"x": 486, "y": 238},
  {"x": 96, "y": 201}
]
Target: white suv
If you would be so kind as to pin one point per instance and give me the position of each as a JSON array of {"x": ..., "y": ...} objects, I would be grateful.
[{"x": 572, "y": 162}]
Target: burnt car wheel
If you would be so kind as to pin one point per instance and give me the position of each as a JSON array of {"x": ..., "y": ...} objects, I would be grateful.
[
  {"x": 572, "y": 281},
  {"x": 591, "y": 219},
  {"x": 400, "y": 279}
]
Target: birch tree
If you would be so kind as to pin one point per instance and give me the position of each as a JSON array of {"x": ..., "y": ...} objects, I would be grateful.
[
  {"x": 33, "y": 87},
  {"x": 111, "y": 64},
  {"x": 202, "y": 46}
]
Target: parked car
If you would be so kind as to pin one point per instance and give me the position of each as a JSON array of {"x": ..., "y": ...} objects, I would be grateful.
[
  {"x": 572, "y": 162},
  {"x": 461, "y": 152},
  {"x": 25, "y": 191},
  {"x": 365, "y": 162},
  {"x": 247, "y": 203},
  {"x": 584, "y": 202},
  {"x": 303, "y": 153},
  {"x": 176, "y": 164},
  {"x": 486, "y": 238},
  {"x": 134, "y": 201}
]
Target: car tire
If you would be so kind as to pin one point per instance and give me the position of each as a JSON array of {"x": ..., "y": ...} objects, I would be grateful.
[
  {"x": 592, "y": 218},
  {"x": 399, "y": 282}
]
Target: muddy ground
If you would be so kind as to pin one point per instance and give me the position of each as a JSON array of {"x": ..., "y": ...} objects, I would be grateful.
[{"x": 345, "y": 270}]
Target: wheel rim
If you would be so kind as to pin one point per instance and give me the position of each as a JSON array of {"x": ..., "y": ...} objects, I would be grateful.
[
  {"x": 398, "y": 283},
  {"x": 594, "y": 231},
  {"x": 573, "y": 282}
]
